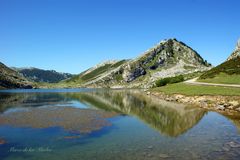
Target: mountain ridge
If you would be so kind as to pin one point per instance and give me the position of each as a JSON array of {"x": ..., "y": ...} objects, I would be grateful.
[
  {"x": 9, "y": 78},
  {"x": 169, "y": 57},
  {"x": 42, "y": 75}
]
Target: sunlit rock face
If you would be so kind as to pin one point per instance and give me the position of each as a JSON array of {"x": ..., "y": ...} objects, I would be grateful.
[
  {"x": 131, "y": 73},
  {"x": 238, "y": 45},
  {"x": 236, "y": 52}
]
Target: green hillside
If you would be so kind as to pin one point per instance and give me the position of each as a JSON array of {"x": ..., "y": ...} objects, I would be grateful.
[
  {"x": 227, "y": 72},
  {"x": 11, "y": 79},
  {"x": 93, "y": 73}
]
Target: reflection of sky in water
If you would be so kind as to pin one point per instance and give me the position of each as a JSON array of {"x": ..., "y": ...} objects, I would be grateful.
[
  {"x": 148, "y": 131},
  {"x": 75, "y": 104},
  {"x": 17, "y": 109},
  {"x": 74, "y": 90}
]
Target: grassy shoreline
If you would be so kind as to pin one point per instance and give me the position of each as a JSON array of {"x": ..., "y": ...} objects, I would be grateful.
[
  {"x": 223, "y": 99},
  {"x": 197, "y": 90},
  {"x": 223, "y": 78}
]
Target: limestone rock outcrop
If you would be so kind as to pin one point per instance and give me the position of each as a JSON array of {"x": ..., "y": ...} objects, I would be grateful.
[{"x": 236, "y": 52}]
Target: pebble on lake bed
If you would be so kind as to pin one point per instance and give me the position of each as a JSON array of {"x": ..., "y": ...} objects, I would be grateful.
[
  {"x": 234, "y": 144},
  {"x": 2, "y": 141},
  {"x": 163, "y": 155},
  {"x": 226, "y": 149}
]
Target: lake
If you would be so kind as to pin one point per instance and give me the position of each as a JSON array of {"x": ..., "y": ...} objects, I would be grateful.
[{"x": 104, "y": 124}]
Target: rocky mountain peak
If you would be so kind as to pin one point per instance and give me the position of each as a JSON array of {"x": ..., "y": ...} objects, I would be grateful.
[
  {"x": 236, "y": 52},
  {"x": 238, "y": 45},
  {"x": 166, "y": 54}
]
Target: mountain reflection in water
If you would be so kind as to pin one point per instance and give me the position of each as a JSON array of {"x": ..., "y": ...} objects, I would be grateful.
[
  {"x": 171, "y": 119},
  {"x": 168, "y": 118},
  {"x": 112, "y": 124}
]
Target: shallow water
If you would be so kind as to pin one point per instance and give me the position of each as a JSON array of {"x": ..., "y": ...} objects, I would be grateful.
[{"x": 103, "y": 124}]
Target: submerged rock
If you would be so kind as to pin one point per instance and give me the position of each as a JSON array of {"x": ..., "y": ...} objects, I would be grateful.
[
  {"x": 2, "y": 141},
  {"x": 234, "y": 144},
  {"x": 225, "y": 148},
  {"x": 163, "y": 155}
]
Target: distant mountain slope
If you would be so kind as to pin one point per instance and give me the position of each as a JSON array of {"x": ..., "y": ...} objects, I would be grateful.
[
  {"x": 95, "y": 73},
  {"x": 228, "y": 72},
  {"x": 168, "y": 58},
  {"x": 12, "y": 79},
  {"x": 40, "y": 75},
  {"x": 229, "y": 67}
]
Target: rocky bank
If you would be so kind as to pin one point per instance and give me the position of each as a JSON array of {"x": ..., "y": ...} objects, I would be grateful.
[{"x": 216, "y": 103}]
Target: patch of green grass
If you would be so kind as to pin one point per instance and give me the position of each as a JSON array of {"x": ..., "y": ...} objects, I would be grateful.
[
  {"x": 223, "y": 78},
  {"x": 95, "y": 72},
  {"x": 118, "y": 77},
  {"x": 187, "y": 89},
  {"x": 118, "y": 64},
  {"x": 189, "y": 67}
]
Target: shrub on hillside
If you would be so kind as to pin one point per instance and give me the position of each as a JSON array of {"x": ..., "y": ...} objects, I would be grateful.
[{"x": 169, "y": 80}]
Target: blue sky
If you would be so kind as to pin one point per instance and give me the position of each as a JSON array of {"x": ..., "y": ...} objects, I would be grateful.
[{"x": 73, "y": 35}]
